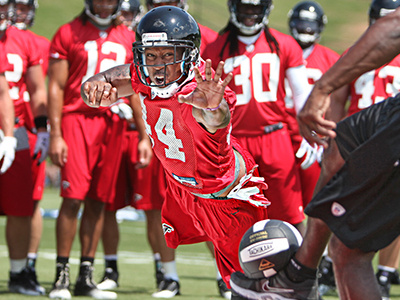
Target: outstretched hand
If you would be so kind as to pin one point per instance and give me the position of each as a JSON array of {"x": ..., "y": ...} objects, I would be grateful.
[
  {"x": 209, "y": 91},
  {"x": 98, "y": 93},
  {"x": 313, "y": 127}
]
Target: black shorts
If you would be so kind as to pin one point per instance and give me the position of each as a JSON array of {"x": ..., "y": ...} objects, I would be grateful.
[{"x": 361, "y": 203}]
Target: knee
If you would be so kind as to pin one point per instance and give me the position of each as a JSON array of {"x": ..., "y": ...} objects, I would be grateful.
[{"x": 338, "y": 252}]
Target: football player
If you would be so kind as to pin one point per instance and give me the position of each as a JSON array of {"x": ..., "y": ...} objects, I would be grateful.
[
  {"x": 307, "y": 21},
  {"x": 23, "y": 18},
  {"x": 82, "y": 138},
  {"x": 356, "y": 204},
  {"x": 135, "y": 147},
  {"x": 187, "y": 110},
  {"x": 370, "y": 88},
  {"x": 260, "y": 58},
  {"x": 24, "y": 75}
]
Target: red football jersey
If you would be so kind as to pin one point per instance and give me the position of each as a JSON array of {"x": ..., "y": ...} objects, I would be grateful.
[
  {"x": 258, "y": 79},
  {"x": 317, "y": 63},
  {"x": 207, "y": 36},
  {"x": 89, "y": 51},
  {"x": 44, "y": 47},
  {"x": 375, "y": 86},
  {"x": 22, "y": 53},
  {"x": 197, "y": 160},
  {"x": 3, "y": 60}
]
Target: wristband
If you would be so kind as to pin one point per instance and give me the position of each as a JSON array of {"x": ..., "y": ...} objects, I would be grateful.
[
  {"x": 214, "y": 108},
  {"x": 40, "y": 122}
]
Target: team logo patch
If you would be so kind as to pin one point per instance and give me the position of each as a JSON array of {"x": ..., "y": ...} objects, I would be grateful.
[
  {"x": 167, "y": 228},
  {"x": 337, "y": 209}
]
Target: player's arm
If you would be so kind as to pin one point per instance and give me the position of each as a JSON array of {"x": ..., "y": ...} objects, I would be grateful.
[
  {"x": 144, "y": 146},
  {"x": 377, "y": 46},
  {"x": 104, "y": 88},
  {"x": 298, "y": 82},
  {"x": 7, "y": 116},
  {"x": 38, "y": 95},
  {"x": 8, "y": 143},
  {"x": 337, "y": 108},
  {"x": 209, "y": 107},
  {"x": 58, "y": 76}
]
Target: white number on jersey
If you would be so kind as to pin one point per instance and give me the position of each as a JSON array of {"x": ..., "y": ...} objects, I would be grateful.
[
  {"x": 255, "y": 88},
  {"x": 166, "y": 134},
  {"x": 14, "y": 76},
  {"x": 105, "y": 64}
]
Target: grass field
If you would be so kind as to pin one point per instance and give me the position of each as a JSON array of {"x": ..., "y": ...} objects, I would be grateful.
[
  {"x": 194, "y": 263},
  {"x": 347, "y": 20}
]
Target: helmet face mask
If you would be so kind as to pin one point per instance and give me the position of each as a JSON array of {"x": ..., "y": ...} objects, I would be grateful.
[
  {"x": 307, "y": 20},
  {"x": 131, "y": 13},
  {"x": 24, "y": 13},
  {"x": 157, "y": 3},
  {"x": 6, "y": 14},
  {"x": 380, "y": 8},
  {"x": 94, "y": 11},
  {"x": 172, "y": 30},
  {"x": 249, "y": 16}
]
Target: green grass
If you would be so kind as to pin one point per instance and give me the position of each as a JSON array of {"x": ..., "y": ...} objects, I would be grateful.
[
  {"x": 194, "y": 263},
  {"x": 347, "y": 19}
]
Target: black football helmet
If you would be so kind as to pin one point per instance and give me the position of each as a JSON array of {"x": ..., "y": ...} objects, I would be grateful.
[
  {"x": 380, "y": 8},
  {"x": 167, "y": 26},
  {"x": 24, "y": 21},
  {"x": 307, "y": 20},
  {"x": 261, "y": 19},
  {"x": 155, "y": 3},
  {"x": 134, "y": 7},
  {"x": 102, "y": 21}
]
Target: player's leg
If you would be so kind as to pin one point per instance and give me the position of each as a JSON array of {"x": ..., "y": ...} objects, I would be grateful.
[
  {"x": 387, "y": 267},
  {"x": 66, "y": 227},
  {"x": 353, "y": 263},
  {"x": 110, "y": 240},
  {"x": 221, "y": 285},
  {"x": 169, "y": 283}
]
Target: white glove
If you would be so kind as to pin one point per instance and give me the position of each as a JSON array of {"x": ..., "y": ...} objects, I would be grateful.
[
  {"x": 312, "y": 154},
  {"x": 7, "y": 152},
  {"x": 123, "y": 110},
  {"x": 42, "y": 146}
]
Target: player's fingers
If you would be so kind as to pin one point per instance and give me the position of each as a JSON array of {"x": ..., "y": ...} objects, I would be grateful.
[
  {"x": 218, "y": 71},
  {"x": 227, "y": 79},
  {"x": 197, "y": 75},
  {"x": 208, "y": 70}
]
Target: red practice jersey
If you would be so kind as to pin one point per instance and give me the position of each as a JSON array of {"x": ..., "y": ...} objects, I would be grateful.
[
  {"x": 258, "y": 79},
  {"x": 22, "y": 52},
  {"x": 89, "y": 51},
  {"x": 375, "y": 86},
  {"x": 197, "y": 160},
  {"x": 207, "y": 36}
]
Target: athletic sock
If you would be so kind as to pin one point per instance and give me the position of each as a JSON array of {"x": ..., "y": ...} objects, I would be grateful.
[
  {"x": 170, "y": 270},
  {"x": 298, "y": 272}
]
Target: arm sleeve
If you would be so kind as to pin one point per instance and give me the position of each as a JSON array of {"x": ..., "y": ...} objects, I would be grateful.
[{"x": 297, "y": 79}]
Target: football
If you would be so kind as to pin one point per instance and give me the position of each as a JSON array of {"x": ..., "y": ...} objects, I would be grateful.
[{"x": 267, "y": 247}]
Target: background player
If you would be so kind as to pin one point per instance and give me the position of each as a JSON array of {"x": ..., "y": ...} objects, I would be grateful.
[
  {"x": 260, "y": 58},
  {"x": 82, "y": 138}
]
